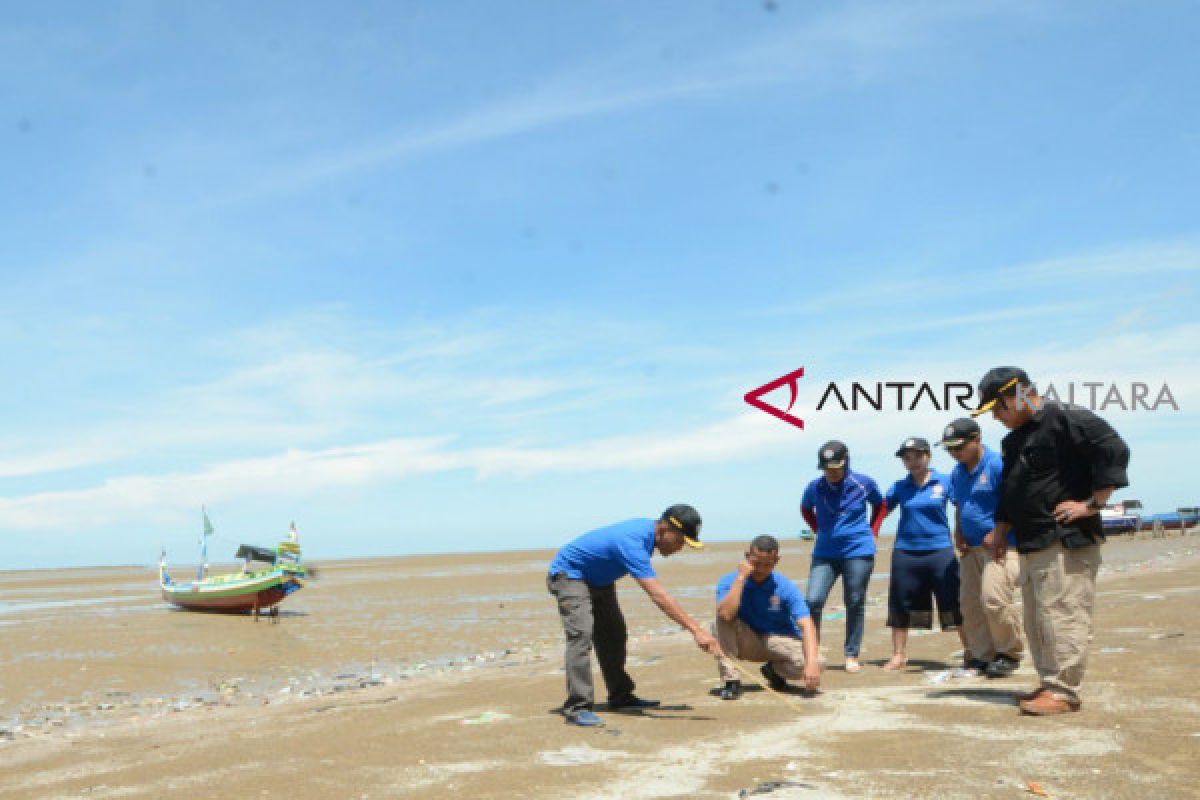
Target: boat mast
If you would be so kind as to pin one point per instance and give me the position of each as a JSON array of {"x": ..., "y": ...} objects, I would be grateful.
[{"x": 202, "y": 570}]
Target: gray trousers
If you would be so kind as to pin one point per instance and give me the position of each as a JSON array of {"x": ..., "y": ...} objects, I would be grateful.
[{"x": 591, "y": 614}]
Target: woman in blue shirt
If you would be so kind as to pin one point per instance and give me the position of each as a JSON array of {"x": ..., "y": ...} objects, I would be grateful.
[
  {"x": 924, "y": 567},
  {"x": 835, "y": 507}
]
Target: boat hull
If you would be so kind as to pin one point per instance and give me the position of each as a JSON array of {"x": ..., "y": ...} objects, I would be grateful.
[
  {"x": 1170, "y": 522},
  {"x": 233, "y": 596},
  {"x": 1114, "y": 525},
  {"x": 262, "y": 600}
]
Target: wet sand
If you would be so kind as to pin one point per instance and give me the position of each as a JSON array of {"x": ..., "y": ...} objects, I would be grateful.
[{"x": 429, "y": 676}]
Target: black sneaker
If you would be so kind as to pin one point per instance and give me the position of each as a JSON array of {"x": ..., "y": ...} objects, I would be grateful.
[
  {"x": 631, "y": 701},
  {"x": 978, "y": 665},
  {"x": 732, "y": 690},
  {"x": 773, "y": 678},
  {"x": 1002, "y": 667}
]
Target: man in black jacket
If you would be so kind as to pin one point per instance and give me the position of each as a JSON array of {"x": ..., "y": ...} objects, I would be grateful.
[{"x": 1061, "y": 464}]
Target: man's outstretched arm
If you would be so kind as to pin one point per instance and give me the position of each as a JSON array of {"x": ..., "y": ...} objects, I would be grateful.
[{"x": 670, "y": 606}]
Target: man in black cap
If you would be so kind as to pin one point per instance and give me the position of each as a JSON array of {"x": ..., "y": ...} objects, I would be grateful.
[
  {"x": 1061, "y": 464},
  {"x": 582, "y": 577},
  {"x": 991, "y": 618}
]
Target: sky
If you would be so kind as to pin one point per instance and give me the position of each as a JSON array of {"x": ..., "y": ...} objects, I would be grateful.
[{"x": 430, "y": 277}]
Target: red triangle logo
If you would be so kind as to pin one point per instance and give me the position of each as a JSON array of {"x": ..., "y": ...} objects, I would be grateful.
[{"x": 754, "y": 397}]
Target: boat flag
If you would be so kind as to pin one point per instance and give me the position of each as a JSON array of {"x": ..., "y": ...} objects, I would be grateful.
[{"x": 202, "y": 570}]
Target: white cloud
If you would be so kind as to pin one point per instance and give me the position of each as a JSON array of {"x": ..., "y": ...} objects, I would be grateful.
[
  {"x": 295, "y": 472},
  {"x": 739, "y": 437},
  {"x": 298, "y": 473},
  {"x": 1061, "y": 281},
  {"x": 829, "y": 49},
  {"x": 44, "y": 461},
  {"x": 315, "y": 380},
  {"x": 295, "y": 390}
]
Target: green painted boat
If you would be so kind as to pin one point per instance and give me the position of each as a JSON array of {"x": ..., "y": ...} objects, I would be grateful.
[{"x": 258, "y": 590}]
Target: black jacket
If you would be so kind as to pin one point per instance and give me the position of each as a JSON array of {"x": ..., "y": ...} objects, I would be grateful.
[{"x": 1063, "y": 453}]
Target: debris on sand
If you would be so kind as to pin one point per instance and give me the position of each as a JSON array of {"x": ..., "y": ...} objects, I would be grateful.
[
  {"x": 487, "y": 717},
  {"x": 950, "y": 675},
  {"x": 773, "y": 786}
]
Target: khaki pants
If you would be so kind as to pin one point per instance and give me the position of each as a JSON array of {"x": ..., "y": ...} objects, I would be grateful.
[
  {"x": 739, "y": 640},
  {"x": 1059, "y": 587},
  {"x": 991, "y": 621}
]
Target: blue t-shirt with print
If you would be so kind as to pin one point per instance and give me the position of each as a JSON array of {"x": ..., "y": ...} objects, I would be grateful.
[
  {"x": 772, "y": 606},
  {"x": 976, "y": 492},
  {"x": 843, "y": 530},
  {"x": 605, "y": 555},
  {"x": 923, "y": 524}
]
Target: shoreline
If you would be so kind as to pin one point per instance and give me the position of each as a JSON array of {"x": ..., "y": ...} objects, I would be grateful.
[
  {"x": 224, "y": 688},
  {"x": 487, "y": 729},
  {"x": 475, "y": 555}
]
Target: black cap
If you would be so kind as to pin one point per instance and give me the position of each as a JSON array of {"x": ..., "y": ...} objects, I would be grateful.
[
  {"x": 832, "y": 454},
  {"x": 914, "y": 443},
  {"x": 998, "y": 381},
  {"x": 686, "y": 520},
  {"x": 959, "y": 432}
]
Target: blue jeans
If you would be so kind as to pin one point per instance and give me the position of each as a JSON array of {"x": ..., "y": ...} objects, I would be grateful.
[{"x": 855, "y": 573}]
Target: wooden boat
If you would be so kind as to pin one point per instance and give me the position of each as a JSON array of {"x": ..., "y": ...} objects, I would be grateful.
[
  {"x": 1123, "y": 517},
  {"x": 254, "y": 590},
  {"x": 1181, "y": 519}
]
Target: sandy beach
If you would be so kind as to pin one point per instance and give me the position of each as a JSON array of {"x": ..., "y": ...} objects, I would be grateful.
[
  {"x": 355, "y": 315},
  {"x": 436, "y": 676}
]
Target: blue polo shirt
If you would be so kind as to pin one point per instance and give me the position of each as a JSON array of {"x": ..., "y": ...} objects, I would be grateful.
[
  {"x": 977, "y": 493},
  {"x": 605, "y": 555},
  {"x": 843, "y": 530},
  {"x": 923, "y": 523},
  {"x": 772, "y": 606}
]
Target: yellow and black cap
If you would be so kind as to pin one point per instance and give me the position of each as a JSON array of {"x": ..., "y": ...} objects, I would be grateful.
[
  {"x": 959, "y": 432},
  {"x": 686, "y": 520},
  {"x": 997, "y": 382},
  {"x": 833, "y": 454},
  {"x": 914, "y": 443}
]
